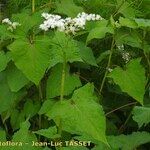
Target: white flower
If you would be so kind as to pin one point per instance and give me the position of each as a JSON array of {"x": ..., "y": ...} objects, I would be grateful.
[
  {"x": 68, "y": 25},
  {"x": 43, "y": 27},
  {"x": 126, "y": 56},
  {"x": 12, "y": 25},
  {"x": 15, "y": 24},
  {"x": 7, "y": 21},
  {"x": 120, "y": 47},
  {"x": 109, "y": 69}
]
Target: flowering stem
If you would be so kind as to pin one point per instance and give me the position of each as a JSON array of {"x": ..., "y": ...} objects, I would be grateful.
[
  {"x": 62, "y": 91},
  {"x": 63, "y": 80},
  {"x": 108, "y": 65}
]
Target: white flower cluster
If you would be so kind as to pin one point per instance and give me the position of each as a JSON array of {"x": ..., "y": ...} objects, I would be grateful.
[
  {"x": 109, "y": 69},
  {"x": 126, "y": 56},
  {"x": 12, "y": 25},
  {"x": 68, "y": 25},
  {"x": 120, "y": 47}
]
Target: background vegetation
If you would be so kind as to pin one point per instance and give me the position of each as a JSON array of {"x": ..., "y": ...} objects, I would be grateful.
[{"x": 94, "y": 85}]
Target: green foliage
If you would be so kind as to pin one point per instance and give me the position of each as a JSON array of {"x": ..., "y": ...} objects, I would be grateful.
[
  {"x": 25, "y": 136},
  {"x": 131, "y": 80},
  {"x": 8, "y": 98},
  {"x": 84, "y": 85},
  {"x": 51, "y": 132},
  {"x": 63, "y": 48},
  {"x": 73, "y": 8},
  {"x": 80, "y": 111},
  {"x": 16, "y": 79},
  {"x": 31, "y": 58},
  {"x": 141, "y": 115},
  {"x": 54, "y": 82},
  {"x": 3, "y": 61},
  {"x": 129, "y": 142},
  {"x": 100, "y": 31}
]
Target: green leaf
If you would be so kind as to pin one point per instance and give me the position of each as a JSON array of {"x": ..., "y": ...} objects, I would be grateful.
[
  {"x": 129, "y": 142},
  {"x": 99, "y": 31},
  {"x": 51, "y": 132},
  {"x": 8, "y": 99},
  {"x": 126, "y": 9},
  {"x": 81, "y": 114},
  {"x": 2, "y": 135},
  {"x": 31, "y": 108},
  {"x": 87, "y": 54},
  {"x": 27, "y": 21},
  {"x": 54, "y": 82},
  {"x": 4, "y": 33},
  {"x": 143, "y": 22},
  {"x": 103, "y": 56},
  {"x": 47, "y": 105},
  {"x": 31, "y": 59},
  {"x": 3, "y": 61},
  {"x": 63, "y": 47},
  {"x": 25, "y": 136},
  {"x": 146, "y": 48},
  {"x": 16, "y": 79},
  {"x": 15, "y": 123},
  {"x": 129, "y": 38},
  {"x": 132, "y": 80},
  {"x": 127, "y": 22},
  {"x": 72, "y": 9},
  {"x": 141, "y": 115}
]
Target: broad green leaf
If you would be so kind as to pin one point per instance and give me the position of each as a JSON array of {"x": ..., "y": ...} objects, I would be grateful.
[
  {"x": 31, "y": 59},
  {"x": 146, "y": 48},
  {"x": 2, "y": 135},
  {"x": 81, "y": 114},
  {"x": 54, "y": 82},
  {"x": 3, "y": 61},
  {"x": 127, "y": 22},
  {"x": 100, "y": 31},
  {"x": 132, "y": 80},
  {"x": 8, "y": 99},
  {"x": 87, "y": 54},
  {"x": 4, "y": 33},
  {"x": 72, "y": 9},
  {"x": 31, "y": 108},
  {"x": 129, "y": 38},
  {"x": 143, "y": 22},
  {"x": 63, "y": 47},
  {"x": 128, "y": 142},
  {"x": 26, "y": 137},
  {"x": 141, "y": 115},
  {"x": 47, "y": 105},
  {"x": 15, "y": 123},
  {"x": 16, "y": 79},
  {"x": 103, "y": 56},
  {"x": 126, "y": 9},
  {"x": 27, "y": 21},
  {"x": 51, "y": 132}
]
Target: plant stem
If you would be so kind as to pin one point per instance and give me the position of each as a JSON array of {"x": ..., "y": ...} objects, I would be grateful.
[
  {"x": 62, "y": 93},
  {"x": 108, "y": 65},
  {"x": 126, "y": 105},
  {"x": 40, "y": 99},
  {"x": 145, "y": 54},
  {"x": 33, "y": 6},
  {"x": 63, "y": 80}
]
